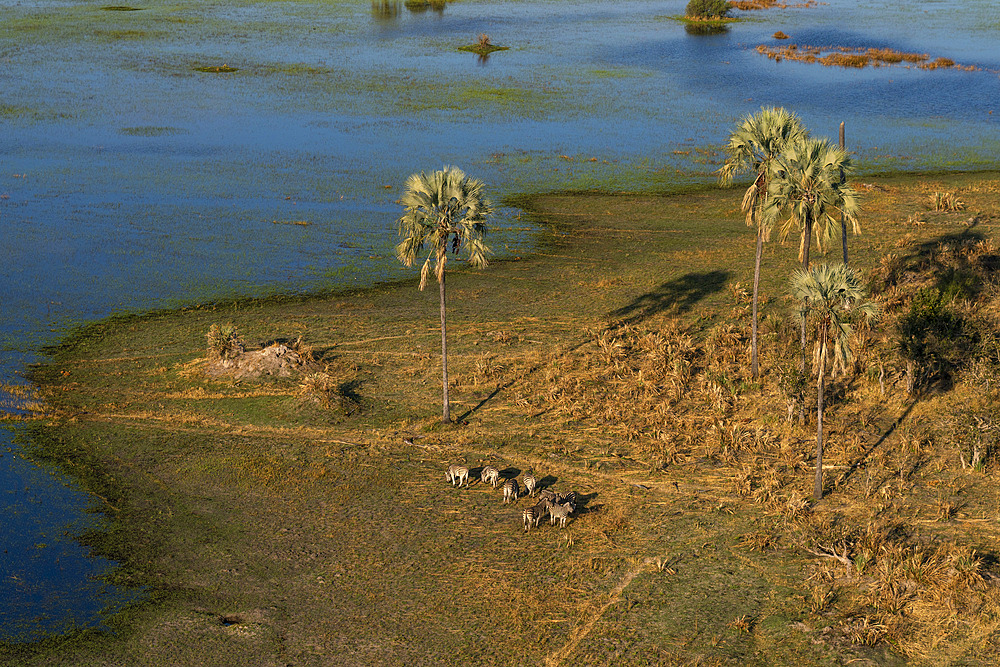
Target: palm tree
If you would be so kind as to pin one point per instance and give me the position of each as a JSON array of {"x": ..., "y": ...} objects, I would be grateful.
[
  {"x": 809, "y": 186},
  {"x": 753, "y": 146},
  {"x": 444, "y": 209},
  {"x": 829, "y": 293}
]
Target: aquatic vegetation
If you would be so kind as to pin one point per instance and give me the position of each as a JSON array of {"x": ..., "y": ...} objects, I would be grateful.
[
  {"x": 483, "y": 46},
  {"x": 753, "y": 5},
  {"x": 843, "y": 56},
  {"x": 420, "y": 6},
  {"x": 150, "y": 131},
  {"x": 217, "y": 69},
  {"x": 707, "y": 9}
]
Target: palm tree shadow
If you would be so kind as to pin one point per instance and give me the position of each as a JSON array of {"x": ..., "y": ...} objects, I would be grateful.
[
  {"x": 860, "y": 461},
  {"x": 678, "y": 295},
  {"x": 471, "y": 411}
]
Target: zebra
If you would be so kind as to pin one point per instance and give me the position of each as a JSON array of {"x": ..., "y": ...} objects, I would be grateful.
[
  {"x": 530, "y": 517},
  {"x": 530, "y": 484},
  {"x": 561, "y": 512},
  {"x": 565, "y": 498},
  {"x": 510, "y": 491},
  {"x": 459, "y": 474},
  {"x": 547, "y": 494},
  {"x": 534, "y": 515},
  {"x": 491, "y": 476}
]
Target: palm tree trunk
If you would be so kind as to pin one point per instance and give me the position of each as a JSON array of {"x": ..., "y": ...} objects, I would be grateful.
[
  {"x": 843, "y": 220},
  {"x": 843, "y": 234},
  {"x": 804, "y": 251},
  {"x": 756, "y": 285},
  {"x": 446, "y": 415},
  {"x": 818, "y": 490}
]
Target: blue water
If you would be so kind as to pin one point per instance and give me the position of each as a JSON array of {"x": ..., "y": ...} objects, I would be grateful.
[{"x": 130, "y": 181}]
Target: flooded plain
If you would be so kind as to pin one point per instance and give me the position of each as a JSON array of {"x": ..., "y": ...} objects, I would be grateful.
[{"x": 184, "y": 152}]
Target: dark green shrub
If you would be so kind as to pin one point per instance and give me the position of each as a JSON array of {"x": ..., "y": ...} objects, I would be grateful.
[
  {"x": 704, "y": 9},
  {"x": 934, "y": 339}
]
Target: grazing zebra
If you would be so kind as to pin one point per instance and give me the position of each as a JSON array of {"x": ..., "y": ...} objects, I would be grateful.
[
  {"x": 561, "y": 512},
  {"x": 547, "y": 494},
  {"x": 565, "y": 498},
  {"x": 491, "y": 476},
  {"x": 510, "y": 491},
  {"x": 533, "y": 515},
  {"x": 457, "y": 474},
  {"x": 541, "y": 509},
  {"x": 530, "y": 517},
  {"x": 530, "y": 484}
]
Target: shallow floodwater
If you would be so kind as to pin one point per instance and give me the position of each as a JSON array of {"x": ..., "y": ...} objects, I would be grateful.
[{"x": 130, "y": 180}]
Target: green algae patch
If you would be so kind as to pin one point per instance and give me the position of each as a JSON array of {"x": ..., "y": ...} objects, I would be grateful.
[
  {"x": 481, "y": 50},
  {"x": 150, "y": 131},
  {"x": 618, "y": 73},
  {"x": 217, "y": 69},
  {"x": 419, "y": 6}
]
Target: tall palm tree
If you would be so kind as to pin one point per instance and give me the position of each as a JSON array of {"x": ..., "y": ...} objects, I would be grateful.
[
  {"x": 444, "y": 209},
  {"x": 809, "y": 187},
  {"x": 829, "y": 293},
  {"x": 753, "y": 147}
]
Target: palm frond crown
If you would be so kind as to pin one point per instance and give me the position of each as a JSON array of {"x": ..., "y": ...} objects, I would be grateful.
[
  {"x": 753, "y": 146},
  {"x": 809, "y": 183},
  {"x": 833, "y": 293},
  {"x": 443, "y": 210}
]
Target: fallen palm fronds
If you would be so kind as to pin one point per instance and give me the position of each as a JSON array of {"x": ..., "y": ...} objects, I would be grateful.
[{"x": 858, "y": 57}]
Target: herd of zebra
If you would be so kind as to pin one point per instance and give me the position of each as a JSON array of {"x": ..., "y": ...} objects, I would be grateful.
[{"x": 556, "y": 506}]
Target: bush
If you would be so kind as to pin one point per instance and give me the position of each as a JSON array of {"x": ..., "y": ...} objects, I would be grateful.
[
  {"x": 933, "y": 339},
  {"x": 224, "y": 342},
  {"x": 704, "y": 9}
]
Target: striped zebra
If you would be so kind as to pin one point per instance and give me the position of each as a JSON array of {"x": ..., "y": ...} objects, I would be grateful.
[
  {"x": 561, "y": 512},
  {"x": 510, "y": 491},
  {"x": 530, "y": 518},
  {"x": 491, "y": 475},
  {"x": 534, "y": 515},
  {"x": 457, "y": 475},
  {"x": 547, "y": 494},
  {"x": 530, "y": 484},
  {"x": 566, "y": 498}
]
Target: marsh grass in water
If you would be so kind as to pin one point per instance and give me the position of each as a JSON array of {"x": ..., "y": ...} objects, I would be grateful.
[
  {"x": 217, "y": 69},
  {"x": 857, "y": 57},
  {"x": 483, "y": 46}
]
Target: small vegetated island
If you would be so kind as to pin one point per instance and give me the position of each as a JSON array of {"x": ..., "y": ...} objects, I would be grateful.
[
  {"x": 858, "y": 57},
  {"x": 483, "y": 46}
]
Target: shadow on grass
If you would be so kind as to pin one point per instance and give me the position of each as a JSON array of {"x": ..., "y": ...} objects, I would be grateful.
[
  {"x": 471, "y": 411},
  {"x": 864, "y": 457},
  {"x": 678, "y": 295}
]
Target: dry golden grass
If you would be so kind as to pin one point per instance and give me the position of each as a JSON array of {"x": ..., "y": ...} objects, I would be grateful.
[
  {"x": 858, "y": 57},
  {"x": 638, "y": 395}
]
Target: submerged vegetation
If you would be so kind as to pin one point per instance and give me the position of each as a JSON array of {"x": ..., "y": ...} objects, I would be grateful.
[{"x": 216, "y": 69}]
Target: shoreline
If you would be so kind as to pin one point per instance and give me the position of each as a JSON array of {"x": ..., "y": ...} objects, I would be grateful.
[{"x": 251, "y": 444}]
